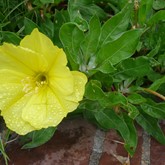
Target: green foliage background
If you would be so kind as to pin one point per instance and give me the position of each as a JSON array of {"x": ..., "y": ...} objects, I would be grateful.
[{"x": 120, "y": 46}]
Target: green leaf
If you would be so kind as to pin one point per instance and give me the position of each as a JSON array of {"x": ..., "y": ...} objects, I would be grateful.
[
  {"x": 89, "y": 109},
  {"x": 158, "y": 16},
  {"x": 154, "y": 51},
  {"x": 71, "y": 37},
  {"x": 47, "y": 27},
  {"x": 39, "y": 137},
  {"x": 156, "y": 110},
  {"x": 2, "y": 151},
  {"x": 47, "y": 1},
  {"x": 115, "y": 25},
  {"x": 145, "y": 11},
  {"x": 133, "y": 112},
  {"x": 2, "y": 25},
  {"x": 115, "y": 99},
  {"x": 158, "y": 4},
  {"x": 156, "y": 84},
  {"x": 106, "y": 68},
  {"x": 90, "y": 43},
  {"x": 82, "y": 10},
  {"x": 135, "y": 98},
  {"x": 60, "y": 18},
  {"x": 161, "y": 59},
  {"x": 10, "y": 37},
  {"x": 131, "y": 67},
  {"x": 75, "y": 14},
  {"x": 118, "y": 50},
  {"x": 106, "y": 79},
  {"x": 93, "y": 91},
  {"x": 150, "y": 125},
  {"x": 108, "y": 119},
  {"x": 29, "y": 25},
  {"x": 131, "y": 144}
]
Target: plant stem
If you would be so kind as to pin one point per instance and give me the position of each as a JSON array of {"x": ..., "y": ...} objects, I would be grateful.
[
  {"x": 136, "y": 9},
  {"x": 154, "y": 93}
]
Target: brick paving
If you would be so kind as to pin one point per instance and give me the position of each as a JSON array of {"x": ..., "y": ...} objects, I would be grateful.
[
  {"x": 78, "y": 142},
  {"x": 157, "y": 152}
]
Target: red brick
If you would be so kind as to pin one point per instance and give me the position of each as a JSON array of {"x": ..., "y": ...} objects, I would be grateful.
[
  {"x": 115, "y": 150},
  {"x": 136, "y": 159},
  {"x": 157, "y": 150},
  {"x": 71, "y": 145},
  {"x": 112, "y": 149}
]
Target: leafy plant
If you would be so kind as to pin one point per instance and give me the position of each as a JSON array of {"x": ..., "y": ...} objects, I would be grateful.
[{"x": 118, "y": 44}]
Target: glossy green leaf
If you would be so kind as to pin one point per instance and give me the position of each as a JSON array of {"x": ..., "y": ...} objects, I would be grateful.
[
  {"x": 89, "y": 109},
  {"x": 10, "y": 37},
  {"x": 144, "y": 11},
  {"x": 76, "y": 16},
  {"x": 115, "y": 25},
  {"x": 39, "y": 137},
  {"x": 80, "y": 9},
  {"x": 151, "y": 125},
  {"x": 131, "y": 143},
  {"x": 116, "y": 98},
  {"x": 106, "y": 79},
  {"x": 135, "y": 98},
  {"x": 90, "y": 43},
  {"x": 94, "y": 92},
  {"x": 61, "y": 17},
  {"x": 158, "y": 16},
  {"x": 29, "y": 25},
  {"x": 132, "y": 67},
  {"x": 133, "y": 111},
  {"x": 161, "y": 59},
  {"x": 154, "y": 51},
  {"x": 118, "y": 50},
  {"x": 106, "y": 68},
  {"x": 48, "y": 28},
  {"x": 71, "y": 37},
  {"x": 159, "y": 4},
  {"x": 47, "y": 1},
  {"x": 156, "y": 84},
  {"x": 156, "y": 110},
  {"x": 108, "y": 119}
]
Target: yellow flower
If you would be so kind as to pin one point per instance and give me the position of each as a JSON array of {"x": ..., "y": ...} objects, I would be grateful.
[{"x": 37, "y": 89}]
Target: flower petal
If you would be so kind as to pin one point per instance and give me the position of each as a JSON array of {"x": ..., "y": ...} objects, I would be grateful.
[
  {"x": 60, "y": 76},
  {"x": 9, "y": 94},
  {"x": 80, "y": 80},
  {"x": 41, "y": 44},
  {"x": 10, "y": 87},
  {"x": 61, "y": 80},
  {"x": 72, "y": 100},
  {"x": 12, "y": 100},
  {"x": 59, "y": 59},
  {"x": 21, "y": 59},
  {"x": 13, "y": 117},
  {"x": 44, "y": 109},
  {"x": 11, "y": 76}
]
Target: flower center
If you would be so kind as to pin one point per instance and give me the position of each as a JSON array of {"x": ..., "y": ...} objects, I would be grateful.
[
  {"x": 41, "y": 80},
  {"x": 33, "y": 84}
]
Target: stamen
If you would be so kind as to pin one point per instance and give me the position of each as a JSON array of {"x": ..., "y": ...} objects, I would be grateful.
[{"x": 33, "y": 84}]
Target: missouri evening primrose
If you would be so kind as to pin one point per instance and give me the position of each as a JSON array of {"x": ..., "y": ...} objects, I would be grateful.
[{"x": 37, "y": 89}]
